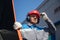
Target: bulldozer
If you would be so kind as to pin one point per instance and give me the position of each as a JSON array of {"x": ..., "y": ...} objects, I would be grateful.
[{"x": 7, "y": 19}]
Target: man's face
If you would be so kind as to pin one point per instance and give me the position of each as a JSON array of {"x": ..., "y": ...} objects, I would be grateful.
[{"x": 33, "y": 19}]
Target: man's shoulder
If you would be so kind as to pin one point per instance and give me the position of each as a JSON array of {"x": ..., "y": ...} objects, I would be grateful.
[{"x": 41, "y": 27}]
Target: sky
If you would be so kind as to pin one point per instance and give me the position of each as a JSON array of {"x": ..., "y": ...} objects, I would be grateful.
[{"x": 22, "y": 7}]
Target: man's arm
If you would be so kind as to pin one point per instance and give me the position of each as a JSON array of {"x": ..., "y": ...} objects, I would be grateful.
[{"x": 50, "y": 24}]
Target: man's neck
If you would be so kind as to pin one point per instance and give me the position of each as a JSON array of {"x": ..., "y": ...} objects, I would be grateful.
[{"x": 30, "y": 24}]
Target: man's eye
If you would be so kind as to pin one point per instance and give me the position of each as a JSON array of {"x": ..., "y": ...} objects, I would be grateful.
[{"x": 33, "y": 16}]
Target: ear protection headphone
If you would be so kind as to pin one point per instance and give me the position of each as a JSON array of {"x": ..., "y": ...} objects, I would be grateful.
[{"x": 28, "y": 18}]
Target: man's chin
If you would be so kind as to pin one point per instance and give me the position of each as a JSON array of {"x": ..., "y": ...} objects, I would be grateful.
[{"x": 34, "y": 22}]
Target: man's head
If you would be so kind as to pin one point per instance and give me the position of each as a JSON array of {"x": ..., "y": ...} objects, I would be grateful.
[{"x": 33, "y": 16}]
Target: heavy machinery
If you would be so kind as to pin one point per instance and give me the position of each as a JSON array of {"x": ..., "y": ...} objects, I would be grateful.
[{"x": 7, "y": 19}]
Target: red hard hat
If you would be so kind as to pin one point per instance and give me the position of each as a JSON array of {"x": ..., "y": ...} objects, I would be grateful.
[{"x": 36, "y": 12}]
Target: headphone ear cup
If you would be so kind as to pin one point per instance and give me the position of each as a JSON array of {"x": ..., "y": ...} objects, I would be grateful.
[{"x": 28, "y": 18}]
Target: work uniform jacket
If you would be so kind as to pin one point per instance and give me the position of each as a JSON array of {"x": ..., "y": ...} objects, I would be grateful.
[{"x": 33, "y": 32}]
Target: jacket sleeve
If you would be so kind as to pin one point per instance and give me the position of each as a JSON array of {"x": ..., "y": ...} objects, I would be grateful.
[{"x": 51, "y": 26}]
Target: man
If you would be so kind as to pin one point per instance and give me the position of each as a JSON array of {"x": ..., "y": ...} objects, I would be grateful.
[{"x": 32, "y": 32}]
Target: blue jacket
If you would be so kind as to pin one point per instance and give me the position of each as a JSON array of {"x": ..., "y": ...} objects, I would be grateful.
[{"x": 33, "y": 32}]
